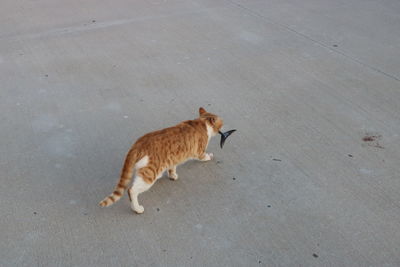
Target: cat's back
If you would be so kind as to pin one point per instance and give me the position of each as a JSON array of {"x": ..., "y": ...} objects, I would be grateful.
[{"x": 185, "y": 131}]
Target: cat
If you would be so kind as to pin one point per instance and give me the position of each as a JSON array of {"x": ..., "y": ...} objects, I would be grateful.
[{"x": 163, "y": 150}]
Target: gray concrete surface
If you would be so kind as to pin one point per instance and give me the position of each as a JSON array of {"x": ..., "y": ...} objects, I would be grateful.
[{"x": 302, "y": 81}]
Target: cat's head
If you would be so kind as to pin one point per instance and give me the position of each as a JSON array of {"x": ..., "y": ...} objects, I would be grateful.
[{"x": 212, "y": 120}]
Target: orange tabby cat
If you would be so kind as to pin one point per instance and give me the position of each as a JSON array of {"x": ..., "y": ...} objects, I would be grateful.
[{"x": 162, "y": 150}]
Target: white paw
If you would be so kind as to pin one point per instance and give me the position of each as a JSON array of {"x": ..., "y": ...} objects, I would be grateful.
[
  {"x": 139, "y": 209},
  {"x": 211, "y": 155},
  {"x": 173, "y": 176}
]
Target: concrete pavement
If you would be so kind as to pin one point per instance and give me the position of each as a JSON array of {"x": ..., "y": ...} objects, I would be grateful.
[{"x": 311, "y": 178}]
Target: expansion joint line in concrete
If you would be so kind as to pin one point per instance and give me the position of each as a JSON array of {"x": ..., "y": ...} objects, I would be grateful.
[{"x": 256, "y": 14}]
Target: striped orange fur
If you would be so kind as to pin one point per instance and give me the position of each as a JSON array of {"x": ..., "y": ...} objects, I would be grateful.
[{"x": 163, "y": 150}]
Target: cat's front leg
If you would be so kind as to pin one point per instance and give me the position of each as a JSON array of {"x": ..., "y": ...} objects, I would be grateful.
[
  {"x": 206, "y": 156},
  {"x": 172, "y": 173}
]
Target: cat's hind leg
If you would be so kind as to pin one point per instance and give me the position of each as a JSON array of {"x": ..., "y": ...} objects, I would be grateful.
[
  {"x": 172, "y": 173},
  {"x": 139, "y": 186}
]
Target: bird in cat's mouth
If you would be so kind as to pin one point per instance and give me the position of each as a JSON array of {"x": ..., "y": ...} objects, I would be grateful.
[{"x": 224, "y": 136}]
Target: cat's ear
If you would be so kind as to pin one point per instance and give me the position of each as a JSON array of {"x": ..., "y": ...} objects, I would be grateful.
[{"x": 202, "y": 111}]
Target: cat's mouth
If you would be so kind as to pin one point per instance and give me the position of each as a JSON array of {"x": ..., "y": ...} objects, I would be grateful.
[{"x": 224, "y": 136}]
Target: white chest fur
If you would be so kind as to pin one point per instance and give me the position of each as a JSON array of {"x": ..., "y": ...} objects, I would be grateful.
[{"x": 210, "y": 132}]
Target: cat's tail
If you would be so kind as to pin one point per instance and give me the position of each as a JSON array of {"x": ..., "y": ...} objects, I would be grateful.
[{"x": 126, "y": 176}]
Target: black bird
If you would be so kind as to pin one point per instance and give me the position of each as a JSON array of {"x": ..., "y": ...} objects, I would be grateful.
[{"x": 224, "y": 136}]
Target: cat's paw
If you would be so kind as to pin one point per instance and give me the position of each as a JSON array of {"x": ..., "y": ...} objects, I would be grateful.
[
  {"x": 206, "y": 157},
  {"x": 173, "y": 176},
  {"x": 139, "y": 209}
]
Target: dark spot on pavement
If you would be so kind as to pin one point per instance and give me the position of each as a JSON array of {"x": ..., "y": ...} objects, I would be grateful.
[
  {"x": 46, "y": 75},
  {"x": 158, "y": 209},
  {"x": 373, "y": 140},
  {"x": 35, "y": 212},
  {"x": 350, "y": 155},
  {"x": 164, "y": 250},
  {"x": 335, "y": 45},
  {"x": 276, "y": 159},
  {"x": 233, "y": 178},
  {"x": 259, "y": 262},
  {"x": 219, "y": 161},
  {"x": 369, "y": 138},
  {"x": 85, "y": 213},
  {"x": 315, "y": 255},
  {"x": 93, "y": 21},
  {"x": 269, "y": 206}
]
